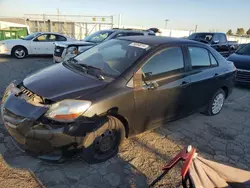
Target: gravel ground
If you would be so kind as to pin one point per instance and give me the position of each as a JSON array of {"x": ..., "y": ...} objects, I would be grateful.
[{"x": 223, "y": 138}]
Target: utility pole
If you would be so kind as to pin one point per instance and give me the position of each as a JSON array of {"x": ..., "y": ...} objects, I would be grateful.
[
  {"x": 58, "y": 14},
  {"x": 166, "y": 23},
  {"x": 119, "y": 20},
  {"x": 196, "y": 27}
]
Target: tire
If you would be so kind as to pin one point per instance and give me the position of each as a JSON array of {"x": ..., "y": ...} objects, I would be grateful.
[
  {"x": 103, "y": 143},
  {"x": 19, "y": 52},
  {"x": 211, "y": 108}
]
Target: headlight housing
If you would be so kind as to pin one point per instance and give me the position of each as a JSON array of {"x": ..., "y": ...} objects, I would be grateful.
[
  {"x": 67, "y": 110},
  {"x": 72, "y": 50}
]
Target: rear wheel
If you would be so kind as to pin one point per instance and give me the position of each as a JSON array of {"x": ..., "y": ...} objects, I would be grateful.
[
  {"x": 216, "y": 103},
  {"x": 19, "y": 52},
  {"x": 103, "y": 143}
]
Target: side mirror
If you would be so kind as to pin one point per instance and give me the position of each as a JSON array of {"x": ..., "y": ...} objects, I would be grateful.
[
  {"x": 137, "y": 80},
  {"x": 216, "y": 41}
]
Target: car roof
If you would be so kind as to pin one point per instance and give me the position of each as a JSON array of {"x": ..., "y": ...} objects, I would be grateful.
[
  {"x": 55, "y": 33},
  {"x": 158, "y": 40},
  {"x": 126, "y": 30},
  {"x": 207, "y": 33}
]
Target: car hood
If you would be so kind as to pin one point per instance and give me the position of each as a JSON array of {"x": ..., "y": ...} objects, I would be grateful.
[
  {"x": 240, "y": 61},
  {"x": 11, "y": 41},
  {"x": 58, "y": 82},
  {"x": 79, "y": 43}
]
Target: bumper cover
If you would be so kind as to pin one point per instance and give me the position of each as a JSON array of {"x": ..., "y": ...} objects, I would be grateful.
[
  {"x": 25, "y": 123},
  {"x": 21, "y": 121}
]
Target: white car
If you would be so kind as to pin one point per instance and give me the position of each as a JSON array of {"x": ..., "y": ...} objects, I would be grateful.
[{"x": 39, "y": 43}]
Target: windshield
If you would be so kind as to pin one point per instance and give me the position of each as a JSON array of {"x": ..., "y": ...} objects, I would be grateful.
[
  {"x": 245, "y": 50},
  {"x": 31, "y": 36},
  {"x": 112, "y": 57},
  {"x": 201, "y": 36},
  {"x": 98, "y": 36}
]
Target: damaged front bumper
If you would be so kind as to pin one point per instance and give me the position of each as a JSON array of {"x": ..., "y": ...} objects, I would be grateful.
[{"x": 26, "y": 123}]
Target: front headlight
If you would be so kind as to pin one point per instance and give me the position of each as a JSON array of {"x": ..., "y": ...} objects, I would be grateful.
[
  {"x": 72, "y": 50},
  {"x": 2, "y": 44},
  {"x": 67, "y": 110}
]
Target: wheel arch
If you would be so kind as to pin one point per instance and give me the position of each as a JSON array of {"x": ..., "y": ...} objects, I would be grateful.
[
  {"x": 114, "y": 112},
  {"x": 226, "y": 90},
  {"x": 13, "y": 48}
]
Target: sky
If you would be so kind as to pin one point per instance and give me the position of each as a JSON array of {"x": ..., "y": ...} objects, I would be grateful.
[{"x": 209, "y": 15}]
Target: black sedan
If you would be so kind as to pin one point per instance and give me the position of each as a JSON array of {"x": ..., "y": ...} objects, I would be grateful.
[
  {"x": 112, "y": 91},
  {"x": 241, "y": 59}
]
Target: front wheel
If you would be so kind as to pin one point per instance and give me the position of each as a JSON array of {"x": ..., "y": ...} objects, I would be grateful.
[
  {"x": 103, "y": 143},
  {"x": 19, "y": 52},
  {"x": 216, "y": 103}
]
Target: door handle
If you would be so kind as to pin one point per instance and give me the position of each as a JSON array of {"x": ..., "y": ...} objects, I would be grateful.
[
  {"x": 216, "y": 74},
  {"x": 184, "y": 84}
]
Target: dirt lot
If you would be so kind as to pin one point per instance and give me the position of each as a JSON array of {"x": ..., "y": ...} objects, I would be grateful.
[{"x": 223, "y": 138}]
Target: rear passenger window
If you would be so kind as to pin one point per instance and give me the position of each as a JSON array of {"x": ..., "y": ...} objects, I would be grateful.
[
  {"x": 199, "y": 57},
  {"x": 169, "y": 60},
  {"x": 60, "y": 38},
  {"x": 213, "y": 60},
  {"x": 134, "y": 34}
]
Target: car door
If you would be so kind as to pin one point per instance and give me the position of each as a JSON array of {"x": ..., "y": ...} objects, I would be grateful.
[
  {"x": 166, "y": 83},
  {"x": 204, "y": 73},
  {"x": 50, "y": 46},
  {"x": 223, "y": 44},
  {"x": 219, "y": 43},
  {"x": 43, "y": 44}
]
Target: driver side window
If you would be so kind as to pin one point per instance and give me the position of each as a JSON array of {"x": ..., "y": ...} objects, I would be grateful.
[
  {"x": 41, "y": 38},
  {"x": 165, "y": 62}
]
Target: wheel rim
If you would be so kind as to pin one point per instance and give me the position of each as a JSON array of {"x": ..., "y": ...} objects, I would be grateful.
[
  {"x": 218, "y": 103},
  {"x": 20, "y": 53},
  {"x": 105, "y": 143}
]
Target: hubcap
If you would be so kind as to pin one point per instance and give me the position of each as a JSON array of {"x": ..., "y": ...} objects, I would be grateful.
[
  {"x": 20, "y": 53},
  {"x": 105, "y": 142},
  {"x": 218, "y": 103}
]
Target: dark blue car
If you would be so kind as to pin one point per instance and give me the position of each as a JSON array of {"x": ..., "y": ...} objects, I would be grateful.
[{"x": 241, "y": 59}]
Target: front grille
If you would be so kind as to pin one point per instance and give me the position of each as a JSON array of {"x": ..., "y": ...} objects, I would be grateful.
[
  {"x": 243, "y": 76},
  {"x": 58, "y": 51},
  {"x": 30, "y": 96},
  {"x": 27, "y": 92}
]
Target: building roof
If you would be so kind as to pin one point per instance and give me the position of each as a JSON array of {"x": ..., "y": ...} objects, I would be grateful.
[
  {"x": 158, "y": 40},
  {"x": 13, "y": 20}
]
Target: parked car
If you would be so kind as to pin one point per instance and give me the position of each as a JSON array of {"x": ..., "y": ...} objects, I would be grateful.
[
  {"x": 216, "y": 40},
  {"x": 66, "y": 50},
  {"x": 112, "y": 91},
  {"x": 39, "y": 43},
  {"x": 241, "y": 59}
]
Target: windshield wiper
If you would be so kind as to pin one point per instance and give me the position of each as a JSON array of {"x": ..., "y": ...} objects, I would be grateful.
[
  {"x": 96, "y": 73},
  {"x": 86, "y": 68}
]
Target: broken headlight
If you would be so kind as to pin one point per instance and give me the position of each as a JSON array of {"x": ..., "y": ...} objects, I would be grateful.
[
  {"x": 67, "y": 110},
  {"x": 72, "y": 51}
]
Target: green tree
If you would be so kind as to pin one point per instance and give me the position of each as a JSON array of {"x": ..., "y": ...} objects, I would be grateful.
[
  {"x": 248, "y": 32},
  {"x": 240, "y": 31},
  {"x": 229, "y": 32}
]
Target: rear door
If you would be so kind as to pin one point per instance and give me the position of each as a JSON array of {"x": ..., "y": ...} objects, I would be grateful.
[
  {"x": 219, "y": 42},
  {"x": 166, "y": 83},
  {"x": 204, "y": 74}
]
